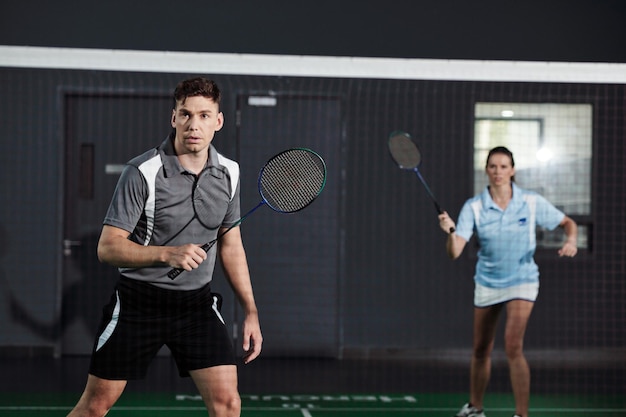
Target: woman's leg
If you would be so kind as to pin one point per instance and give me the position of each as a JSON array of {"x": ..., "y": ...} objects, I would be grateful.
[
  {"x": 518, "y": 313},
  {"x": 485, "y": 321}
]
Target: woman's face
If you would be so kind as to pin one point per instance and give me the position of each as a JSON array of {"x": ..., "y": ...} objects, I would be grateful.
[{"x": 499, "y": 170}]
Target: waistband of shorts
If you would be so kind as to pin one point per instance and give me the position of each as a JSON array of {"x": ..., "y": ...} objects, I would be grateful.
[{"x": 142, "y": 288}]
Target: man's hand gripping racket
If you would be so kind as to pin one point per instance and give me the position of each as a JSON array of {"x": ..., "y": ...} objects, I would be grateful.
[
  {"x": 288, "y": 182},
  {"x": 407, "y": 155}
]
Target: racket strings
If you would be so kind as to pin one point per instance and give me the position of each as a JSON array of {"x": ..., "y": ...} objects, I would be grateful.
[
  {"x": 404, "y": 151},
  {"x": 292, "y": 180},
  {"x": 288, "y": 182}
]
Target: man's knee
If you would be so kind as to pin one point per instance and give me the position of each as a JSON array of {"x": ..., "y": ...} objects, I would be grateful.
[
  {"x": 92, "y": 408},
  {"x": 98, "y": 398},
  {"x": 226, "y": 405}
]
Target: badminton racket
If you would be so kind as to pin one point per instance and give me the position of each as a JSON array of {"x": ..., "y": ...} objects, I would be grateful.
[
  {"x": 288, "y": 182},
  {"x": 407, "y": 156}
]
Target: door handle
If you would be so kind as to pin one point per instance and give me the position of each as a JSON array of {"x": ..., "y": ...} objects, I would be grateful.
[{"x": 68, "y": 245}]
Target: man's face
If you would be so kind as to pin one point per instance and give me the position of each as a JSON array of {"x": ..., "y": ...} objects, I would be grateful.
[{"x": 196, "y": 119}]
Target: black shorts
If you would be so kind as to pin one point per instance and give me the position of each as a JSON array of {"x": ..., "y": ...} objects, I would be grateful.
[{"x": 140, "y": 318}]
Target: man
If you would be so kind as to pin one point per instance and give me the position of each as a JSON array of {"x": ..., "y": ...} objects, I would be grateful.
[{"x": 168, "y": 202}]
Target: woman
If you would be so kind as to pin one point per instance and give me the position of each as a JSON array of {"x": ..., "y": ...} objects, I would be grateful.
[{"x": 507, "y": 278}]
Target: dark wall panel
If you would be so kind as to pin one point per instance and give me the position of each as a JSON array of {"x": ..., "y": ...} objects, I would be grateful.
[{"x": 558, "y": 30}]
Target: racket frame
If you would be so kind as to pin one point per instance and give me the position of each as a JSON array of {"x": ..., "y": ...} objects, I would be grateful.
[
  {"x": 412, "y": 147},
  {"x": 174, "y": 272}
]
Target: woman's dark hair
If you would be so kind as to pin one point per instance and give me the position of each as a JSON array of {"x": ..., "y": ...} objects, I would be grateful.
[
  {"x": 197, "y": 87},
  {"x": 504, "y": 151}
]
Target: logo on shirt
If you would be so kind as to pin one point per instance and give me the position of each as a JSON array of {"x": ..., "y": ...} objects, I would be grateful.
[{"x": 522, "y": 221}]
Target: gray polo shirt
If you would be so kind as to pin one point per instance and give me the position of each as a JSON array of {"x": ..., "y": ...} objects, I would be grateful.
[{"x": 161, "y": 203}]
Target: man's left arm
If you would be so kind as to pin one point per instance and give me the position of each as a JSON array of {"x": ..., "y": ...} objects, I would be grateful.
[{"x": 235, "y": 264}]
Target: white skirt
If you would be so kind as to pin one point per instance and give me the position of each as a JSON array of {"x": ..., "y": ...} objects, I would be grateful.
[{"x": 486, "y": 296}]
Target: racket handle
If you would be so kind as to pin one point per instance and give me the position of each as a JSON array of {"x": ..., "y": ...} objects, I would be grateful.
[
  {"x": 440, "y": 211},
  {"x": 174, "y": 272}
]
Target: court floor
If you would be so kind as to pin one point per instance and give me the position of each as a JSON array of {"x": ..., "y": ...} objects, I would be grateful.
[
  {"x": 43, "y": 386},
  {"x": 310, "y": 405}
]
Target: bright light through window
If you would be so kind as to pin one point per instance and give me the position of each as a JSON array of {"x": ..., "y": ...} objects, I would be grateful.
[{"x": 544, "y": 154}]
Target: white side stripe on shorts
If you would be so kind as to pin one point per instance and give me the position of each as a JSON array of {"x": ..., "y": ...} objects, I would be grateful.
[
  {"x": 217, "y": 311},
  {"x": 108, "y": 331}
]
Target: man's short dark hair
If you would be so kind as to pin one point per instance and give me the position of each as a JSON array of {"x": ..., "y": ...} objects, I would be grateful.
[{"x": 198, "y": 86}]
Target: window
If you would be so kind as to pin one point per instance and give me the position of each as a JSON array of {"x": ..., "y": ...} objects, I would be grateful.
[{"x": 552, "y": 147}]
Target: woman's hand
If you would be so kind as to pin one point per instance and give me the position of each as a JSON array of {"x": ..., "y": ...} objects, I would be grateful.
[
  {"x": 569, "y": 249},
  {"x": 446, "y": 223}
]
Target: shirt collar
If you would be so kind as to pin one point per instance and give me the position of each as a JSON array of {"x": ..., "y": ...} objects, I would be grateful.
[
  {"x": 516, "y": 200},
  {"x": 171, "y": 164}
]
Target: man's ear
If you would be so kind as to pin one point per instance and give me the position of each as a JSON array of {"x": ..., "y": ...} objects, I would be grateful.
[
  {"x": 173, "y": 120},
  {"x": 220, "y": 121}
]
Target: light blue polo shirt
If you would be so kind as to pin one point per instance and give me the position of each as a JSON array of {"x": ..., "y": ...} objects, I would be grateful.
[{"x": 506, "y": 237}]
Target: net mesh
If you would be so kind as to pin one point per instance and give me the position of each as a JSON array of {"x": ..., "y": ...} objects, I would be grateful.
[{"x": 371, "y": 242}]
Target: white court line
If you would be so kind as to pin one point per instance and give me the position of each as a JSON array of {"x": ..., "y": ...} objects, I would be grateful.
[{"x": 592, "y": 411}]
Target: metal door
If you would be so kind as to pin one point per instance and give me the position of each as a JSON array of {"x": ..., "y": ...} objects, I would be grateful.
[{"x": 294, "y": 258}]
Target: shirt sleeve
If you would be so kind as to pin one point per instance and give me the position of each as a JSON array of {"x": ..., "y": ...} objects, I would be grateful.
[
  {"x": 465, "y": 222},
  {"x": 128, "y": 201},
  {"x": 548, "y": 216},
  {"x": 233, "y": 213}
]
